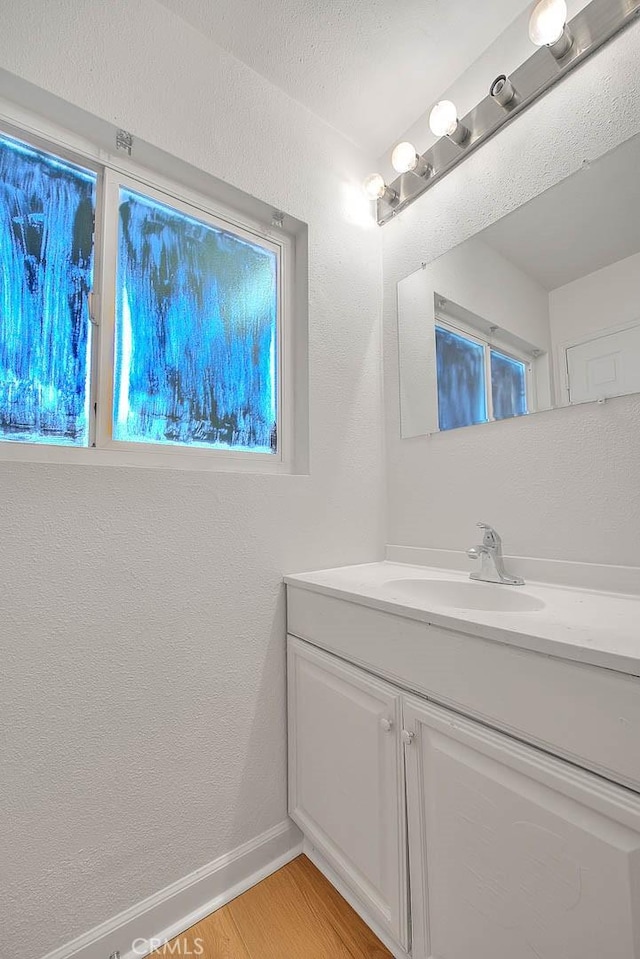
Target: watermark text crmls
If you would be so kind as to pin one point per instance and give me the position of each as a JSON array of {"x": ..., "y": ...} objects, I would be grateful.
[{"x": 180, "y": 947}]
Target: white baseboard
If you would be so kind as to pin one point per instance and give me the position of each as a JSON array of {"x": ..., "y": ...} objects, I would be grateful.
[
  {"x": 318, "y": 860},
  {"x": 176, "y": 908}
]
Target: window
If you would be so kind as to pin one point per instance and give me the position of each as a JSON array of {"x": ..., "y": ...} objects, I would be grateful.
[
  {"x": 195, "y": 332},
  {"x": 134, "y": 318},
  {"x": 46, "y": 244},
  {"x": 476, "y": 381}
]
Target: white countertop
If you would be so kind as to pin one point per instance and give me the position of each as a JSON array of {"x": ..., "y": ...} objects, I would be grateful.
[{"x": 584, "y": 625}]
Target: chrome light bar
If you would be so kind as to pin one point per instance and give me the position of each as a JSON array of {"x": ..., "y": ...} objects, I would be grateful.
[{"x": 597, "y": 23}]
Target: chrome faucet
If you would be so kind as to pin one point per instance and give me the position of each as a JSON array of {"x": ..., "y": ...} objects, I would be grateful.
[{"x": 491, "y": 560}]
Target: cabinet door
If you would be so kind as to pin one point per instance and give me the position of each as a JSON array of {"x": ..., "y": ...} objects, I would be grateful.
[
  {"x": 514, "y": 854},
  {"x": 346, "y": 783}
]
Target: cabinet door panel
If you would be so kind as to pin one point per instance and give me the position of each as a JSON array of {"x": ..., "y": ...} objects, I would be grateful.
[
  {"x": 514, "y": 854},
  {"x": 345, "y": 778}
]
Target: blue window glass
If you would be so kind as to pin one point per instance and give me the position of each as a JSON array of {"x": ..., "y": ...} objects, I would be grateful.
[
  {"x": 462, "y": 397},
  {"x": 196, "y": 332},
  {"x": 46, "y": 247},
  {"x": 508, "y": 386}
]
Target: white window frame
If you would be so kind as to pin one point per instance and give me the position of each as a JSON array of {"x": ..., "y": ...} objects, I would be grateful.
[
  {"x": 113, "y": 171},
  {"x": 469, "y": 333}
]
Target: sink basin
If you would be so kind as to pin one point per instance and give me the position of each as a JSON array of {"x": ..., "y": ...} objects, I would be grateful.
[{"x": 464, "y": 595}]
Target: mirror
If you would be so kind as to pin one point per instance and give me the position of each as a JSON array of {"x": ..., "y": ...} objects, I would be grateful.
[{"x": 538, "y": 311}]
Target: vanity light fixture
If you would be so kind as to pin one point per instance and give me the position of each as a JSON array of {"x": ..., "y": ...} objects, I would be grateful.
[
  {"x": 376, "y": 189},
  {"x": 570, "y": 43},
  {"x": 405, "y": 158},
  {"x": 503, "y": 92},
  {"x": 444, "y": 122},
  {"x": 548, "y": 27}
]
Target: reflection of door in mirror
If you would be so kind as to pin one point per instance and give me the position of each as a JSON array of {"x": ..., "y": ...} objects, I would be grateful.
[
  {"x": 539, "y": 310},
  {"x": 607, "y": 365}
]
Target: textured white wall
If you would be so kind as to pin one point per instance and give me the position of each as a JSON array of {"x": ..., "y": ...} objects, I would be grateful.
[
  {"x": 559, "y": 484},
  {"x": 142, "y": 621}
]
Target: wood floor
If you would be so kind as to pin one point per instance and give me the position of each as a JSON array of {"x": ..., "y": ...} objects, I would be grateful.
[{"x": 293, "y": 914}]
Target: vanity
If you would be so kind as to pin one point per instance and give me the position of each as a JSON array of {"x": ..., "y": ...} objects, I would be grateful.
[{"x": 464, "y": 759}]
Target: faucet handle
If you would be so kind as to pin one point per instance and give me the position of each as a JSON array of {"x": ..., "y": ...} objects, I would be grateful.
[{"x": 491, "y": 537}]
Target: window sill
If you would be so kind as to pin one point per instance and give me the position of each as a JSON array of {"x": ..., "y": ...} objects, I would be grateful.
[{"x": 194, "y": 460}]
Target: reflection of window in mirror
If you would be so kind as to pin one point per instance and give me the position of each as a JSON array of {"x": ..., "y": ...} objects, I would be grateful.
[
  {"x": 462, "y": 390},
  {"x": 478, "y": 381},
  {"x": 508, "y": 385}
]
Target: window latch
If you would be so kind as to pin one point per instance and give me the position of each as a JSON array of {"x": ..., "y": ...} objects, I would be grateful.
[{"x": 93, "y": 307}]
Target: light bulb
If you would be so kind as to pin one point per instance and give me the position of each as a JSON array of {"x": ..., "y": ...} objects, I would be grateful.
[
  {"x": 374, "y": 186},
  {"x": 376, "y": 189},
  {"x": 547, "y": 22},
  {"x": 443, "y": 119},
  {"x": 404, "y": 157}
]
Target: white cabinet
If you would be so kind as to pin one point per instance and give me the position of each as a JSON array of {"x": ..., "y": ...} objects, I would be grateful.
[
  {"x": 502, "y": 850},
  {"x": 515, "y": 854},
  {"x": 346, "y": 789}
]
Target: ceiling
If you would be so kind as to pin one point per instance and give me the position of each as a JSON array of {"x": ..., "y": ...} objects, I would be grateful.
[
  {"x": 586, "y": 222},
  {"x": 369, "y": 68}
]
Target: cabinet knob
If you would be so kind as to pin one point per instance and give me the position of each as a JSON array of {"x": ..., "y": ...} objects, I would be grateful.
[
  {"x": 387, "y": 724},
  {"x": 407, "y": 737}
]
